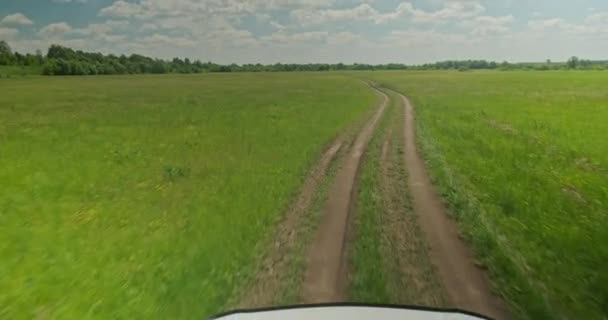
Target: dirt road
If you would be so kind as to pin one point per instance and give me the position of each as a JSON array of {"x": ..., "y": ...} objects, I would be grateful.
[
  {"x": 433, "y": 263},
  {"x": 323, "y": 279},
  {"x": 467, "y": 285}
]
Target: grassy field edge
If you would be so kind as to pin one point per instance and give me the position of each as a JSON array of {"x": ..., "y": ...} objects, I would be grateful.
[{"x": 507, "y": 280}]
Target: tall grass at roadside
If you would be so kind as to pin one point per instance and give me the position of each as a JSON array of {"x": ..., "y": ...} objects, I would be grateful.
[
  {"x": 522, "y": 160},
  {"x": 147, "y": 197}
]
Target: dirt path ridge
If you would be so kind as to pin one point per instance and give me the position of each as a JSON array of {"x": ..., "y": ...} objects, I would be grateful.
[
  {"x": 467, "y": 285},
  {"x": 325, "y": 257}
]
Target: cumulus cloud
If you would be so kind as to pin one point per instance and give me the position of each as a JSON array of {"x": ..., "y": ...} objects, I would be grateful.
[
  {"x": 148, "y": 27},
  {"x": 488, "y": 25},
  {"x": 319, "y": 30},
  {"x": 161, "y": 8},
  {"x": 285, "y": 37},
  {"x": 593, "y": 28},
  {"x": 99, "y": 29},
  {"x": 54, "y": 30},
  {"x": 342, "y": 38},
  {"x": 17, "y": 19},
  {"x": 451, "y": 10},
  {"x": 542, "y": 24},
  {"x": 309, "y": 17},
  {"x": 277, "y": 25},
  {"x": 121, "y": 9},
  {"x": 421, "y": 37},
  {"x": 164, "y": 40},
  {"x": 8, "y": 33},
  {"x": 362, "y": 12},
  {"x": 598, "y": 18}
]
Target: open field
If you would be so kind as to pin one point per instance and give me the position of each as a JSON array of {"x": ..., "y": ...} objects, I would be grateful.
[
  {"x": 177, "y": 196},
  {"x": 152, "y": 196},
  {"x": 521, "y": 159}
]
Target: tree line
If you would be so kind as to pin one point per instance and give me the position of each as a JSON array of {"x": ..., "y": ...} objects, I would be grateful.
[{"x": 61, "y": 60}]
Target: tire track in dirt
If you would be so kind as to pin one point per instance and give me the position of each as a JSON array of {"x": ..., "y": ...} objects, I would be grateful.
[
  {"x": 273, "y": 272},
  {"x": 323, "y": 280},
  {"x": 468, "y": 286}
]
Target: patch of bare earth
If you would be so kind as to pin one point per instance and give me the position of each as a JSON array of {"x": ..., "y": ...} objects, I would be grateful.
[
  {"x": 467, "y": 285},
  {"x": 324, "y": 278}
]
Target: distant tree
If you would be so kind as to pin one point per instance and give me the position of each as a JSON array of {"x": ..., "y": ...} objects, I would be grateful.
[
  {"x": 6, "y": 54},
  {"x": 123, "y": 59},
  {"x": 77, "y": 69},
  {"x": 49, "y": 68},
  {"x": 39, "y": 55},
  {"x": 5, "y": 48},
  {"x": 572, "y": 62},
  {"x": 64, "y": 67},
  {"x": 59, "y": 52},
  {"x": 158, "y": 66}
]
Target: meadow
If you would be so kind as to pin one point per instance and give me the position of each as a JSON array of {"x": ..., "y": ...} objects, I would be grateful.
[
  {"x": 151, "y": 197},
  {"x": 521, "y": 158},
  {"x": 19, "y": 71}
]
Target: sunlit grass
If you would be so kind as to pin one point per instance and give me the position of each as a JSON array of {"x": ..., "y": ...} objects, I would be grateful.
[
  {"x": 522, "y": 158},
  {"x": 147, "y": 197}
]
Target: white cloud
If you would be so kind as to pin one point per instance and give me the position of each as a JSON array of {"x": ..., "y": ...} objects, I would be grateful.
[
  {"x": 164, "y": 40},
  {"x": 543, "y": 24},
  {"x": 8, "y": 33},
  {"x": 284, "y": 37},
  {"x": 342, "y": 38},
  {"x": 452, "y": 10},
  {"x": 488, "y": 25},
  {"x": 557, "y": 25},
  {"x": 422, "y": 37},
  {"x": 17, "y": 19},
  {"x": 146, "y": 9},
  {"x": 363, "y": 11},
  {"x": 148, "y": 27},
  {"x": 598, "y": 18},
  {"x": 319, "y": 30},
  {"x": 121, "y": 9},
  {"x": 277, "y": 25},
  {"x": 592, "y": 30},
  {"x": 99, "y": 29},
  {"x": 55, "y": 30},
  {"x": 113, "y": 38},
  {"x": 310, "y": 17}
]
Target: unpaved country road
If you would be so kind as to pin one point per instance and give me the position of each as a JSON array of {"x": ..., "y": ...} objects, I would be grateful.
[
  {"x": 324, "y": 280},
  {"x": 468, "y": 286}
]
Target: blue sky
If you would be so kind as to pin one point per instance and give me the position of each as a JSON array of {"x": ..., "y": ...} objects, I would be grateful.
[{"x": 268, "y": 31}]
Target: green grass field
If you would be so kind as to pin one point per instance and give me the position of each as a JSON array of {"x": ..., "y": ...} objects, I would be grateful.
[
  {"x": 19, "y": 71},
  {"x": 522, "y": 159},
  {"x": 150, "y": 197}
]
